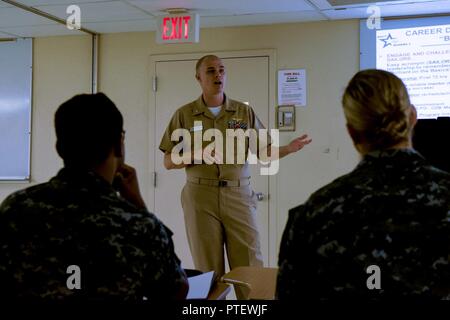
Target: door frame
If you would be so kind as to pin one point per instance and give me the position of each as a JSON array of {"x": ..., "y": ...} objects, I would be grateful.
[{"x": 273, "y": 180}]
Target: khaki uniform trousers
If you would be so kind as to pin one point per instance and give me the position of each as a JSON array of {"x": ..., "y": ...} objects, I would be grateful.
[{"x": 217, "y": 216}]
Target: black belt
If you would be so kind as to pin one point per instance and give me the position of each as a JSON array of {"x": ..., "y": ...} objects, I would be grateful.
[{"x": 220, "y": 183}]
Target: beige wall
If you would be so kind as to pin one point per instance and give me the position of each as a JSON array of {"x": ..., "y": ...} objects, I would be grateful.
[{"x": 328, "y": 50}]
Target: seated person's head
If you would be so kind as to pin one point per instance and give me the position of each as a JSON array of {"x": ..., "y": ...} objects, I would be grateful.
[
  {"x": 378, "y": 111},
  {"x": 89, "y": 128}
]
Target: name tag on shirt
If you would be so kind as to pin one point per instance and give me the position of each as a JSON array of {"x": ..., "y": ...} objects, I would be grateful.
[{"x": 196, "y": 128}]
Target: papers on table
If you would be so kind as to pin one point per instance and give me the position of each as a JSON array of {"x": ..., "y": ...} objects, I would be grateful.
[{"x": 200, "y": 285}]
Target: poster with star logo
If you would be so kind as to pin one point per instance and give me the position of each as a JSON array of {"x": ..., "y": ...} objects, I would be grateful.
[{"x": 420, "y": 56}]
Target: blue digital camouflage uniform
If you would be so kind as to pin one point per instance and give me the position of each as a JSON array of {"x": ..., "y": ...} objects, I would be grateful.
[
  {"x": 77, "y": 218},
  {"x": 393, "y": 211}
]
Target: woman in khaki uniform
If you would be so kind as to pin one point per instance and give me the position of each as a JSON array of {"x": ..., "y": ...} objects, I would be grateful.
[{"x": 218, "y": 201}]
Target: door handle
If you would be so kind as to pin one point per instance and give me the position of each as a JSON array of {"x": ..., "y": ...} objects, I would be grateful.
[{"x": 260, "y": 196}]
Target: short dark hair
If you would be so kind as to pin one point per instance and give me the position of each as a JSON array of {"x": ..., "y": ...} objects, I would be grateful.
[
  {"x": 200, "y": 62},
  {"x": 87, "y": 127}
]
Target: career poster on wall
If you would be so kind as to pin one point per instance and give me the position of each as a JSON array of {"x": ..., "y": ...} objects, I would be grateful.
[
  {"x": 292, "y": 87},
  {"x": 420, "y": 56}
]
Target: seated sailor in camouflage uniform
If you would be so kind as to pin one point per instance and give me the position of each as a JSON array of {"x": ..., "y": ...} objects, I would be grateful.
[
  {"x": 78, "y": 220},
  {"x": 383, "y": 230}
]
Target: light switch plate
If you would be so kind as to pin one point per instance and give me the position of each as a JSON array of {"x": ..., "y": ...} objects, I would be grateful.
[{"x": 286, "y": 118}]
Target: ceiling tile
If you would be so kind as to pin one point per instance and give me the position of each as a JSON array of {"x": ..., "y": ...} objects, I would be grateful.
[
  {"x": 122, "y": 26},
  {"x": 260, "y": 19},
  {"x": 225, "y": 7},
  {"x": 331, "y": 4},
  {"x": 94, "y": 12},
  {"x": 41, "y": 30},
  {"x": 322, "y": 4},
  {"x": 404, "y": 9},
  {"x": 32, "y": 3},
  {"x": 10, "y": 17}
]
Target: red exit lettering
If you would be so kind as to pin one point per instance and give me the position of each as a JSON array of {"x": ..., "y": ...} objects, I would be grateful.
[{"x": 174, "y": 28}]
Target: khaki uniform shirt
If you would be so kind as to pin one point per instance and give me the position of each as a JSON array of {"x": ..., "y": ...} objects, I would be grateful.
[{"x": 233, "y": 115}]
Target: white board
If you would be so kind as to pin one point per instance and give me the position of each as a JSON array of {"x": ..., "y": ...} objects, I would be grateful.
[{"x": 15, "y": 108}]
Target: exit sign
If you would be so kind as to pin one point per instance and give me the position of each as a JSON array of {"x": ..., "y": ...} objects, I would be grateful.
[{"x": 178, "y": 28}]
